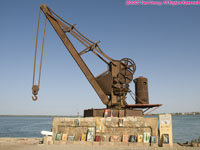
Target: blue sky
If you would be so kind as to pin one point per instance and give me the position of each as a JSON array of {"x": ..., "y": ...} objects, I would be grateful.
[{"x": 164, "y": 42}]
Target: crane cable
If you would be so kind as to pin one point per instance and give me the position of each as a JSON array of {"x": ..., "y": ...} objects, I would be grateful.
[{"x": 35, "y": 88}]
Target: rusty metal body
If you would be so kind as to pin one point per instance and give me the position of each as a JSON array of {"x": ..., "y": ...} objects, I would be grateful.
[
  {"x": 114, "y": 113},
  {"x": 112, "y": 85},
  {"x": 141, "y": 90},
  {"x": 115, "y": 81}
]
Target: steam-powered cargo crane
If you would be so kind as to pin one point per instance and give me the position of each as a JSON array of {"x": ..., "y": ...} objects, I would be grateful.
[{"x": 112, "y": 85}]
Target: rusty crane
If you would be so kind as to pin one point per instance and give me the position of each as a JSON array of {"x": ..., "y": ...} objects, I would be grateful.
[{"x": 112, "y": 85}]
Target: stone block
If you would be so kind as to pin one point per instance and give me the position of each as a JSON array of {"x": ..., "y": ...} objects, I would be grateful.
[
  {"x": 111, "y": 122},
  {"x": 47, "y": 140}
]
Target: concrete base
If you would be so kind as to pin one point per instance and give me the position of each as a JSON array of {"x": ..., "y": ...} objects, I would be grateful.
[{"x": 105, "y": 128}]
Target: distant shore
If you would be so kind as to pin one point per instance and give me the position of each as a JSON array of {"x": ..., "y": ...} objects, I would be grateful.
[
  {"x": 174, "y": 114},
  {"x": 37, "y": 116},
  {"x": 179, "y": 114}
]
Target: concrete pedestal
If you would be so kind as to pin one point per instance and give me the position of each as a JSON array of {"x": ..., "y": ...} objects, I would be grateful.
[{"x": 108, "y": 128}]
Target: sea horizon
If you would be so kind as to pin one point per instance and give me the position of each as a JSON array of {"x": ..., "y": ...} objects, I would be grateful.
[{"x": 42, "y": 115}]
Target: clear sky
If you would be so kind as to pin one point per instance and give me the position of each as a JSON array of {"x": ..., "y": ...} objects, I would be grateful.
[{"x": 164, "y": 42}]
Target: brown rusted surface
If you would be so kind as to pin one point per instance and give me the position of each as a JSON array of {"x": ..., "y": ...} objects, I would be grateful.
[
  {"x": 143, "y": 105},
  {"x": 141, "y": 90},
  {"x": 112, "y": 85},
  {"x": 114, "y": 112},
  {"x": 55, "y": 24}
]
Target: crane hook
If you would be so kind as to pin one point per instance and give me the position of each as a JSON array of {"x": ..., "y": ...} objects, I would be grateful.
[
  {"x": 35, "y": 90},
  {"x": 34, "y": 98}
]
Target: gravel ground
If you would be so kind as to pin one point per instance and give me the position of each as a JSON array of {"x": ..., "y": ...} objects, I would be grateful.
[{"x": 34, "y": 144}]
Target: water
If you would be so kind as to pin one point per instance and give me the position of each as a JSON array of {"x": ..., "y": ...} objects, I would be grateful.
[
  {"x": 24, "y": 126},
  {"x": 185, "y": 128}
]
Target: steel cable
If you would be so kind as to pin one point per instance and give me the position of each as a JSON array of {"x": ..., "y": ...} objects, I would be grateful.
[
  {"x": 42, "y": 51},
  {"x": 35, "y": 88},
  {"x": 36, "y": 46}
]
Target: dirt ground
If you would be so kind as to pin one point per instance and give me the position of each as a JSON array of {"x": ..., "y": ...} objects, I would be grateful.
[{"x": 35, "y": 144}]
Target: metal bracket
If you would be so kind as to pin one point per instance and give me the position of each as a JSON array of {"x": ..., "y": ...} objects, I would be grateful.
[
  {"x": 89, "y": 48},
  {"x": 68, "y": 29}
]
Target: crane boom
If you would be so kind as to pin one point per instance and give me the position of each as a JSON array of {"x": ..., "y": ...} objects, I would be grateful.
[
  {"x": 55, "y": 24},
  {"x": 112, "y": 85}
]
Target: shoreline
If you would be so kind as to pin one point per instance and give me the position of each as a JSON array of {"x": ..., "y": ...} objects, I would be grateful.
[
  {"x": 37, "y": 116},
  {"x": 173, "y": 114},
  {"x": 36, "y": 144}
]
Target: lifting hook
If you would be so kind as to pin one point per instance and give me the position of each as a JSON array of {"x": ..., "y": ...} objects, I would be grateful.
[
  {"x": 35, "y": 90},
  {"x": 34, "y": 98}
]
